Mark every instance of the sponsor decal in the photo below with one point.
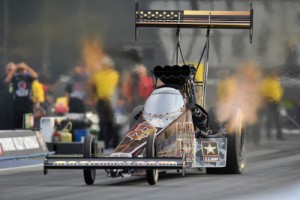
(142, 131)
(210, 151)
(185, 139)
(115, 163)
(73, 163)
(166, 142)
(211, 159)
(60, 163)
(156, 122)
(31, 142)
(7, 144)
(22, 91)
(22, 85)
(19, 143)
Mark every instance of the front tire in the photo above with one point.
(235, 145)
(89, 150)
(151, 152)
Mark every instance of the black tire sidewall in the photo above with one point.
(235, 144)
(236, 147)
(89, 151)
(152, 174)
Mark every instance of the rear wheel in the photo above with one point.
(152, 174)
(235, 145)
(89, 150)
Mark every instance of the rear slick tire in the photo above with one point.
(151, 174)
(235, 146)
(89, 151)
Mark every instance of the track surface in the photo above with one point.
(272, 172)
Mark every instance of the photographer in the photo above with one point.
(22, 79)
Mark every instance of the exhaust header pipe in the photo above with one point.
(175, 71)
(176, 74)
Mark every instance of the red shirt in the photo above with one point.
(145, 87)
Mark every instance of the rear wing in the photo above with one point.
(194, 19)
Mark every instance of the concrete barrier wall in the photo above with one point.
(21, 144)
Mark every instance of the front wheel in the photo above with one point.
(151, 174)
(235, 145)
(89, 150)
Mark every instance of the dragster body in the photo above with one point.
(166, 116)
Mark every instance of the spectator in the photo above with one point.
(76, 90)
(145, 83)
(126, 90)
(120, 107)
(6, 99)
(38, 94)
(134, 86)
(104, 83)
(272, 93)
(22, 91)
(38, 98)
(61, 106)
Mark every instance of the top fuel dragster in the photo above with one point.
(171, 131)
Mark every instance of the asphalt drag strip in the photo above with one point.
(272, 169)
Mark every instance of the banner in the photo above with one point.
(21, 143)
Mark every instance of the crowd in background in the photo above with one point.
(105, 92)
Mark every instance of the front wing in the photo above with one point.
(113, 163)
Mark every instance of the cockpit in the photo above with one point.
(163, 105)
